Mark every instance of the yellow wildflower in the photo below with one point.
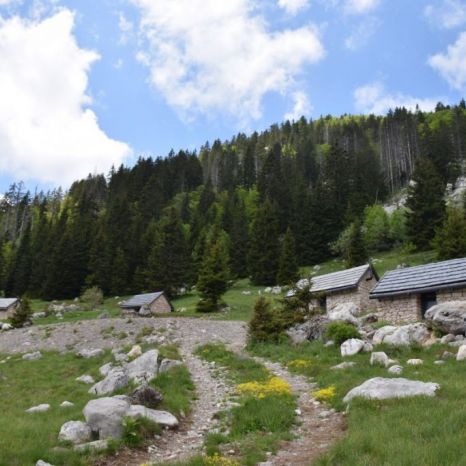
(273, 386)
(325, 394)
(217, 460)
(299, 364)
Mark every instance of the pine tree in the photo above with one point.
(265, 326)
(22, 314)
(288, 270)
(264, 249)
(119, 278)
(450, 240)
(425, 204)
(355, 253)
(214, 273)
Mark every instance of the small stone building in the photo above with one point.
(8, 307)
(404, 295)
(351, 285)
(156, 302)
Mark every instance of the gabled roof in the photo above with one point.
(422, 278)
(337, 281)
(5, 303)
(140, 300)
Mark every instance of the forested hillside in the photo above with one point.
(245, 207)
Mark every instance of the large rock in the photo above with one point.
(114, 380)
(379, 359)
(449, 317)
(144, 368)
(75, 432)
(461, 354)
(312, 329)
(380, 388)
(344, 312)
(161, 418)
(351, 347)
(105, 369)
(405, 335)
(105, 416)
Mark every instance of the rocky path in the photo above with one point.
(317, 428)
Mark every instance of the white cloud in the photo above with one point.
(373, 98)
(47, 130)
(452, 64)
(302, 107)
(447, 14)
(361, 35)
(358, 7)
(293, 6)
(207, 56)
(126, 28)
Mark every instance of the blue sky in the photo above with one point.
(85, 85)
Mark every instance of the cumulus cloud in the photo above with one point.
(207, 56)
(361, 35)
(47, 130)
(293, 6)
(126, 28)
(358, 7)
(301, 107)
(373, 98)
(452, 64)
(447, 14)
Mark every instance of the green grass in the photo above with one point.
(256, 425)
(419, 430)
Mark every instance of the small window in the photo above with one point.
(323, 302)
(427, 301)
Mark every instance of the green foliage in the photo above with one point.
(265, 324)
(340, 332)
(351, 246)
(288, 270)
(377, 231)
(450, 240)
(22, 313)
(136, 431)
(92, 297)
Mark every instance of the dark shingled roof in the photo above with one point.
(422, 278)
(5, 303)
(140, 300)
(337, 281)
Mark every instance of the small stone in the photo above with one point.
(86, 379)
(297, 412)
(98, 445)
(32, 356)
(448, 355)
(135, 352)
(379, 358)
(38, 409)
(343, 365)
(75, 432)
(66, 404)
(415, 362)
(90, 353)
(439, 362)
(395, 370)
(329, 343)
(351, 347)
(43, 463)
(447, 338)
(105, 369)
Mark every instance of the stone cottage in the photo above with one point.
(156, 303)
(351, 285)
(404, 295)
(8, 306)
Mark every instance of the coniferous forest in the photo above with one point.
(256, 206)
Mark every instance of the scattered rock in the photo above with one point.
(395, 369)
(32, 356)
(168, 364)
(351, 347)
(38, 409)
(120, 357)
(86, 379)
(154, 339)
(144, 311)
(39, 315)
(343, 365)
(114, 380)
(439, 362)
(448, 355)
(449, 317)
(381, 333)
(43, 463)
(246, 293)
(162, 418)
(135, 352)
(329, 343)
(379, 358)
(66, 404)
(104, 315)
(344, 312)
(276, 290)
(312, 329)
(461, 355)
(90, 353)
(105, 416)
(144, 368)
(146, 396)
(368, 347)
(5, 326)
(369, 319)
(75, 432)
(414, 362)
(98, 445)
(447, 338)
(380, 388)
(105, 369)
(405, 335)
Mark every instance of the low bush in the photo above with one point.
(266, 323)
(340, 332)
(136, 431)
(22, 314)
(92, 297)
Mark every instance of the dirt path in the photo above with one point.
(317, 429)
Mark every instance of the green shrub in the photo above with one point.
(22, 314)
(92, 297)
(136, 431)
(266, 323)
(340, 332)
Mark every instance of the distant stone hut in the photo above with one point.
(8, 307)
(404, 295)
(351, 285)
(156, 303)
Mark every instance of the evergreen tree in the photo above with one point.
(450, 240)
(264, 325)
(119, 277)
(264, 249)
(214, 273)
(22, 314)
(425, 204)
(288, 270)
(355, 253)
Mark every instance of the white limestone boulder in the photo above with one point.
(144, 368)
(114, 380)
(380, 388)
(379, 358)
(39, 408)
(168, 364)
(351, 347)
(90, 353)
(344, 312)
(461, 354)
(405, 335)
(75, 432)
(162, 418)
(396, 369)
(449, 317)
(36, 355)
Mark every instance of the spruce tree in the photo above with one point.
(22, 314)
(264, 249)
(214, 273)
(119, 277)
(288, 270)
(450, 240)
(355, 253)
(425, 204)
(265, 324)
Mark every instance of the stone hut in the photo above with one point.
(8, 307)
(351, 285)
(404, 295)
(156, 303)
